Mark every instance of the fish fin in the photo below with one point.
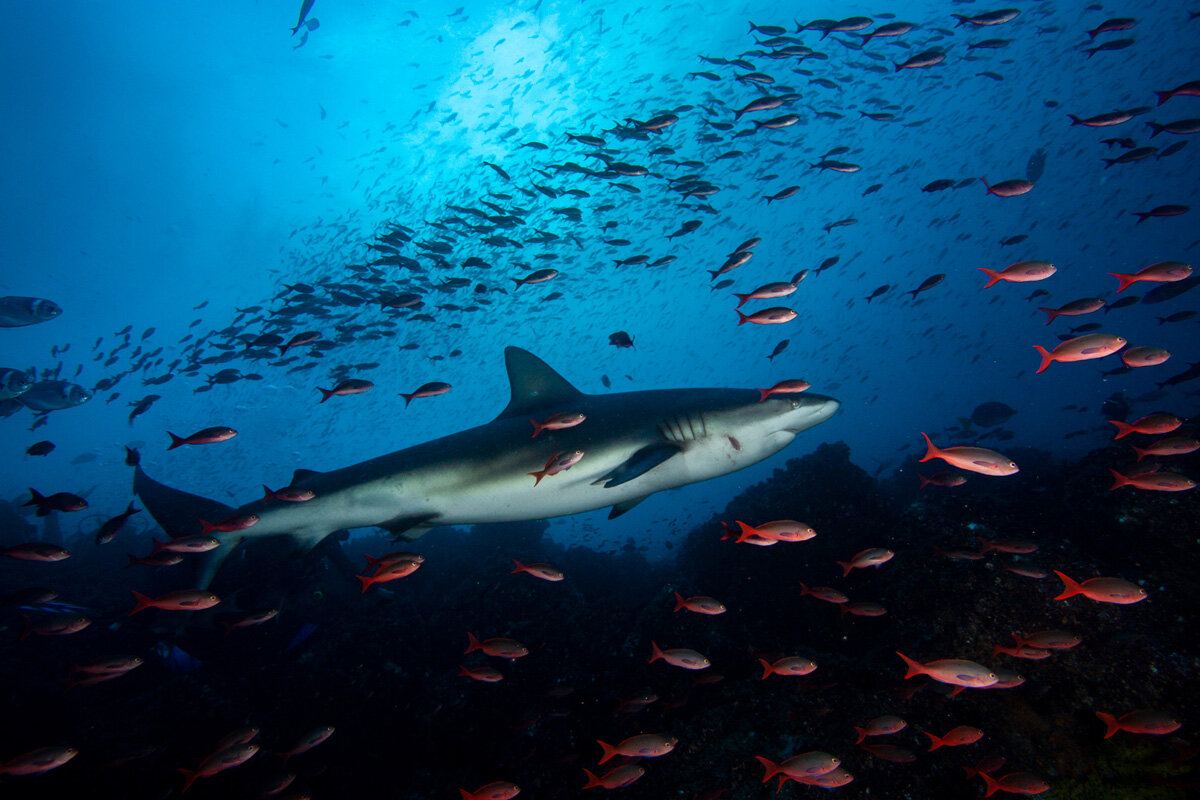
(303, 475)
(638, 464)
(1110, 723)
(622, 507)
(402, 527)
(534, 385)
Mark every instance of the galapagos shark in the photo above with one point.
(634, 444)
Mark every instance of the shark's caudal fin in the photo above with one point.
(535, 385)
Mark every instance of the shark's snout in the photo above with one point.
(809, 410)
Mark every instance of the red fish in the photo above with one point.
(109, 530)
(826, 593)
(236, 522)
(972, 459)
(1175, 446)
(555, 422)
(768, 316)
(1144, 356)
(956, 737)
(1048, 640)
(678, 657)
(767, 291)
(872, 557)
(288, 494)
(559, 462)
(389, 572)
(1011, 188)
(615, 778)
(432, 389)
(805, 765)
(1151, 423)
(1153, 481)
(784, 387)
(646, 745)
(1075, 308)
(299, 340)
(308, 741)
(862, 608)
(346, 387)
(1162, 272)
(1081, 348)
(186, 544)
(945, 479)
(501, 648)
(36, 551)
(1102, 590)
(792, 665)
(498, 790)
(155, 560)
(219, 762)
(206, 436)
(699, 605)
(56, 625)
(59, 501)
(1155, 723)
(482, 674)
(1020, 272)
(1014, 783)
(1015, 546)
(880, 726)
(783, 530)
(955, 672)
(181, 600)
(38, 761)
(540, 276)
(1189, 89)
(545, 572)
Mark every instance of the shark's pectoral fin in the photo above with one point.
(410, 527)
(621, 508)
(638, 464)
(303, 474)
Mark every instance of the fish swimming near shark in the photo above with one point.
(635, 444)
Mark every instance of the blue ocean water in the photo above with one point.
(170, 169)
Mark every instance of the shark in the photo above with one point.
(633, 445)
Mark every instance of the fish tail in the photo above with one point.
(993, 277)
(742, 318)
(366, 582)
(1140, 452)
(746, 531)
(655, 652)
(935, 742)
(537, 428)
(924, 481)
(537, 476)
(142, 603)
(1110, 722)
(931, 451)
(608, 749)
(1051, 313)
(992, 784)
(679, 603)
(742, 297)
(862, 734)
(1123, 429)
(206, 526)
(1156, 128)
(519, 567)
(407, 398)
(1125, 279)
(592, 780)
(1119, 480)
(465, 794)
(770, 766)
(846, 567)
(267, 494)
(914, 667)
(764, 393)
(767, 670)
(1075, 120)
(325, 393)
(472, 644)
(988, 185)
(1047, 357)
(175, 441)
(1164, 97)
(1142, 216)
(1070, 587)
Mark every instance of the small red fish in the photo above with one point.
(308, 741)
(768, 316)
(1175, 446)
(784, 387)
(346, 387)
(181, 600)
(236, 522)
(766, 292)
(35, 551)
(288, 494)
(783, 530)
(555, 422)
(1155, 723)
(299, 340)
(186, 544)
(946, 479)
(559, 462)
(792, 665)
(482, 674)
(206, 436)
(972, 459)
(1011, 188)
(699, 605)
(498, 790)
(1153, 481)
(872, 557)
(432, 389)
(501, 648)
(388, 572)
(956, 737)
(955, 672)
(545, 572)
(880, 726)
(1144, 356)
(646, 745)
(59, 501)
(540, 276)
(1151, 423)
(1162, 272)
(1076, 308)
(1020, 272)
(678, 657)
(1014, 783)
(1102, 590)
(615, 778)
(805, 765)
(38, 761)
(219, 762)
(1081, 348)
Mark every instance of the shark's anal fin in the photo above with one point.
(621, 508)
(303, 474)
(638, 464)
(402, 527)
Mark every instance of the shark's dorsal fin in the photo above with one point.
(535, 385)
(303, 474)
